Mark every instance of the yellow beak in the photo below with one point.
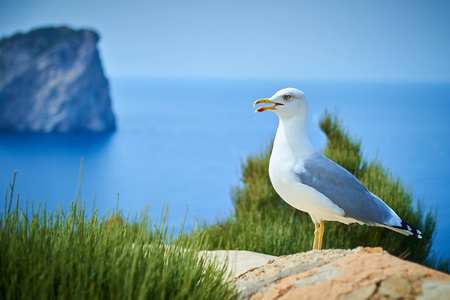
(266, 100)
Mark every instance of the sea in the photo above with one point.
(180, 144)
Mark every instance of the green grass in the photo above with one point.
(65, 254)
(263, 222)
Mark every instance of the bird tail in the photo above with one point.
(405, 229)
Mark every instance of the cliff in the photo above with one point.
(52, 80)
(360, 273)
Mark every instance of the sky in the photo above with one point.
(381, 40)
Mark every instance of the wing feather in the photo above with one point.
(344, 190)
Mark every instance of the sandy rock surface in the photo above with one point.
(239, 262)
(360, 273)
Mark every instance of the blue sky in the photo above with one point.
(337, 40)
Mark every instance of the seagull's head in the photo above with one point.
(287, 103)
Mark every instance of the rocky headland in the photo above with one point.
(360, 273)
(52, 80)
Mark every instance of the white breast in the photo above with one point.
(283, 162)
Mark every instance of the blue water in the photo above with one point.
(182, 142)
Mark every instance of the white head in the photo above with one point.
(287, 103)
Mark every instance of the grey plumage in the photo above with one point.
(344, 190)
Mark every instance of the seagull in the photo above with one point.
(310, 182)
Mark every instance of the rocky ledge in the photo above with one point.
(361, 273)
(52, 80)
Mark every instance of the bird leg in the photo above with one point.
(321, 231)
(316, 236)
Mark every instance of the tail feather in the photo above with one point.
(406, 229)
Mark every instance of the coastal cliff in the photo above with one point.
(352, 274)
(52, 80)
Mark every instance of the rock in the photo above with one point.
(361, 273)
(290, 263)
(362, 293)
(435, 289)
(395, 287)
(238, 261)
(52, 80)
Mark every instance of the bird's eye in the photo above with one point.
(287, 97)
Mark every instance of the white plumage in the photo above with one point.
(312, 183)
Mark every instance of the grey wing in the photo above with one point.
(344, 190)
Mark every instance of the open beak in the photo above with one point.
(266, 100)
